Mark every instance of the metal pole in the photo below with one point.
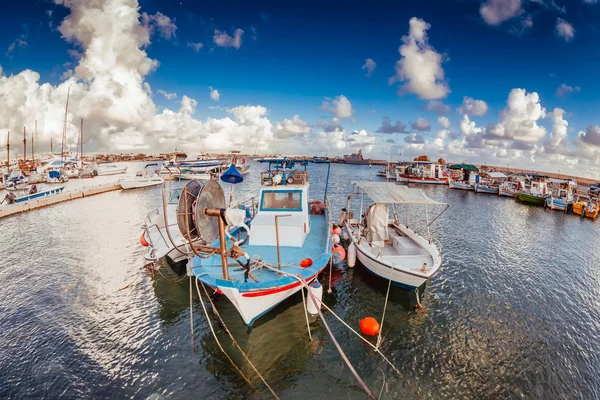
(427, 218)
(216, 212)
(8, 153)
(33, 135)
(277, 237)
(362, 198)
(81, 141)
(24, 144)
(327, 181)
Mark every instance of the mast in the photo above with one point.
(33, 135)
(50, 145)
(81, 141)
(64, 134)
(8, 153)
(24, 144)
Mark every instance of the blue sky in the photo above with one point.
(292, 58)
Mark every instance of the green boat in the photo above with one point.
(531, 199)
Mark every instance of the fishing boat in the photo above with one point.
(508, 188)
(192, 170)
(562, 195)
(490, 182)
(110, 169)
(587, 205)
(386, 247)
(288, 237)
(56, 176)
(534, 192)
(146, 177)
(424, 172)
(464, 176)
(31, 194)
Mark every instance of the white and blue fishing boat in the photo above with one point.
(32, 194)
(562, 197)
(490, 182)
(286, 242)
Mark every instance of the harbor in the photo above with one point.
(112, 325)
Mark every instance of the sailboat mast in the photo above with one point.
(24, 144)
(64, 135)
(33, 135)
(81, 141)
(8, 153)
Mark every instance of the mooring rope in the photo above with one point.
(387, 295)
(306, 315)
(217, 339)
(232, 338)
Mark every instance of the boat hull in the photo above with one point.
(530, 199)
(486, 189)
(39, 194)
(556, 204)
(140, 183)
(115, 171)
(461, 185)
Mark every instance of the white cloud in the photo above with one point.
(564, 30)
(518, 121)
(421, 125)
(165, 26)
(340, 107)
(473, 107)
(292, 128)
(559, 132)
(444, 122)
(438, 107)
(564, 90)
(494, 12)
(414, 138)
(420, 66)
(168, 96)
(214, 94)
(591, 136)
(195, 46)
(370, 66)
(18, 43)
(387, 127)
(222, 39)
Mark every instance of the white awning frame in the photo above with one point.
(391, 193)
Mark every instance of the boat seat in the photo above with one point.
(292, 229)
(404, 246)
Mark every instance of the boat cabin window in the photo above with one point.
(174, 199)
(277, 200)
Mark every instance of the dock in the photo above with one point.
(17, 208)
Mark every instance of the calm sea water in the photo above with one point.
(514, 312)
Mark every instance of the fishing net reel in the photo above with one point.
(192, 220)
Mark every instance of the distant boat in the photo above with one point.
(534, 192)
(320, 160)
(490, 182)
(31, 195)
(144, 178)
(562, 196)
(587, 206)
(110, 169)
(467, 177)
(356, 158)
(424, 172)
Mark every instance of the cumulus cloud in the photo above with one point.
(330, 126)
(168, 96)
(494, 12)
(420, 66)
(160, 22)
(222, 39)
(370, 66)
(437, 107)
(108, 90)
(421, 125)
(292, 128)
(340, 107)
(387, 127)
(591, 135)
(195, 46)
(473, 107)
(214, 94)
(564, 90)
(444, 122)
(414, 138)
(564, 30)
(558, 136)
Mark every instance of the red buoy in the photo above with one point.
(143, 241)
(339, 253)
(369, 326)
(337, 231)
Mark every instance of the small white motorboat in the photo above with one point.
(30, 194)
(147, 177)
(110, 169)
(386, 247)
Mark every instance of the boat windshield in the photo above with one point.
(277, 200)
(174, 199)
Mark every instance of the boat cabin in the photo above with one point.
(283, 207)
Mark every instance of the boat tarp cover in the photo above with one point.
(466, 167)
(495, 174)
(377, 222)
(391, 193)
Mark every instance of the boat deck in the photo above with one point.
(316, 246)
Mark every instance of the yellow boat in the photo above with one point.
(586, 206)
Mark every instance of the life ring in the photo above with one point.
(290, 180)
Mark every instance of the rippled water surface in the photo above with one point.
(514, 312)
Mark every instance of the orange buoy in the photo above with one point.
(369, 326)
(304, 263)
(337, 231)
(338, 253)
(143, 241)
(308, 262)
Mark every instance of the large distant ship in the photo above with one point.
(356, 158)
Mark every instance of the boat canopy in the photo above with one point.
(466, 167)
(391, 193)
(497, 174)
